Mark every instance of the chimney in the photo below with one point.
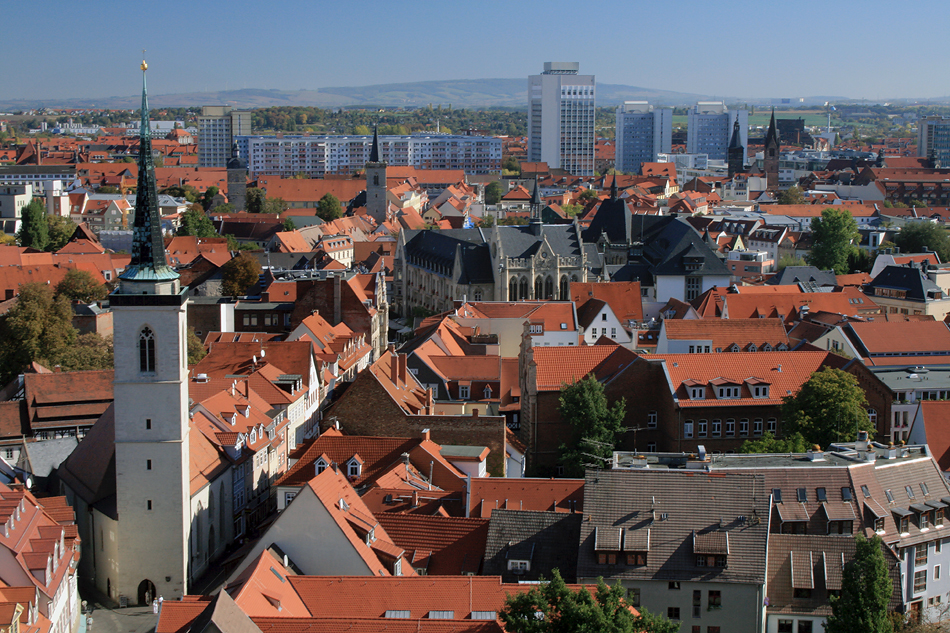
(415, 498)
(402, 366)
(862, 444)
(394, 368)
(425, 435)
(337, 300)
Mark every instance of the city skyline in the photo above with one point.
(738, 49)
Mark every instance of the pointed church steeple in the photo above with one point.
(772, 134)
(736, 135)
(736, 152)
(613, 188)
(148, 248)
(771, 156)
(374, 152)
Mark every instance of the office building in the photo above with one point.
(318, 156)
(642, 133)
(561, 118)
(933, 140)
(217, 128)
(709, 129)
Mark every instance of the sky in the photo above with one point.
(870, 49)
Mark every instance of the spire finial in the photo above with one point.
(613, 188)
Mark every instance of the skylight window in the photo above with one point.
(802, 495)
(867, 493)
(820, 493)
(777, 495)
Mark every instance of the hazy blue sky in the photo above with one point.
(874, 49)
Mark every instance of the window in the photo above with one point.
(777, 495)
(728, 392)
(148, 504)
(715, 600)
(701, 428)
(865, 492)
(920, 555)
(716, 428)
(890, 497)
(697, 602)
(924, 489)
(673, 613)
(730, 427)
(802, 495)
(821, 495)
(700, 560)
(697, 393)
(637, 558)
(936, 572)
(802, 593)
(904, 523)
(148, 424)
(786, 626)
(744, 426)
(760, 391)
(288, 497)
(464, 392)
(771, 426)
(519, 566)
(486, 392)
(938, 547)
(651, 447)
(607, 558)
(146, 351)
(651, 419)
(674, 584)
(923, 520)
(353, 468)
(148, 464)
(688, 428)
(757, 426)
(909, 491)
(603, 316)
(712, 629)
(920, 581)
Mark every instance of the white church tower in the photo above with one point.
(151, 405)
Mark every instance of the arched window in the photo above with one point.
(523, 293)
(147, 351)
(513, 289)
(538, 288)
(376, 179)
(565, 289)
(872, 417)
(549, 288)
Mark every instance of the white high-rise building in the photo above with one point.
(709, 129)
(561, 118)
(642, 133)
(217, 128)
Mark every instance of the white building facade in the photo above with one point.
(561, 106)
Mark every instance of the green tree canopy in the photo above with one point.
(187, 192)
(792, 195)
(37, 328)
(196, 349)
(597, 427)
(254, 200)
(511, 163)
(588, 195)
(493, 192)
(866, 591)
(833, 235)
(915, 237)
(768, 443)
(328, 208)
(830, 407)
(274, 206)
(80, 285)
(34, 227)
(288, 225)
(239, 274)
(208, 197)
(553, 607)
(196, 222)
(89, 351)
(790, 260)
(60, 231)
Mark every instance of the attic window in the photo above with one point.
(865, 492)
(354, 468)
(487, 392)
(909, 491)
(924, 489)
(802, 495)
(697, 393)
(484, 615)
(821, 495)
(760, 391)
(564, 325)
(777, 495)
(395, 614)
(519, 567)
(320, 465)
(441, 615)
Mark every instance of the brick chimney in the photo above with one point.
(394, 368)
(402, 366)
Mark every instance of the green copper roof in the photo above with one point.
(148, 248)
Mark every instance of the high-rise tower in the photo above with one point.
(151, 404)
(642, 132)
(561, 118)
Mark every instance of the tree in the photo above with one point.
(239, 274)
(274, 206)
(208, 197)
(288, 225)
(223, 209)
(36, 328)
(790, 260)
(80, 285)
(254, 200)
(60, 231)
(866, 591)
(833, 234)
(768, 443)
(108, 189)
(792, 195)
(362, 130)
(234, 245)
(552, 607)
(328, 208)
(89, 351)
(493, 192)
(34, 228)
(918, 203)
(915, 237)
(196, 222)
(196, 349)
(570, 210)
(830, 407)
(588, 195)
(511, 164)
(597, 427)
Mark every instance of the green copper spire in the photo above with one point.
(148, 248)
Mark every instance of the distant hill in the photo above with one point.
(511, 93)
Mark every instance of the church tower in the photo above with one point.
(772, 148)
(377, 204)
(736, 152)
(151, 405)
(237, 180)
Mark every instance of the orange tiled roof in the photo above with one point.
(624, 298)
(725, 332)
(564, 365)
(454, 545)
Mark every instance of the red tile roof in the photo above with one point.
(624, 298)
(725, 332)
(558, 366)
(543, 495)
(936, 416)
(262, 590)
(454, 546)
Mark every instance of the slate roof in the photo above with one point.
(791, 275)
(436, 250)
(546, 539)
(909, 278)
(669, 241)
(805, 562)
(520, 241)
(692, 502)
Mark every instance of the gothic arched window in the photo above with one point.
(538, 288)
(513, 289)
(146, 350)
(523, 289)
(565, 289)
(376, 179)
(548, 289)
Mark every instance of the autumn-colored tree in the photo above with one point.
(239, 274)
(80, 285)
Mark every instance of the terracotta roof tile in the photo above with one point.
(564, 365)
(455, 545)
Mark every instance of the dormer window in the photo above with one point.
(697, 393)
(320, 465)
(486, 393)
(354, 468)
(760, 391)
(728, 392)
